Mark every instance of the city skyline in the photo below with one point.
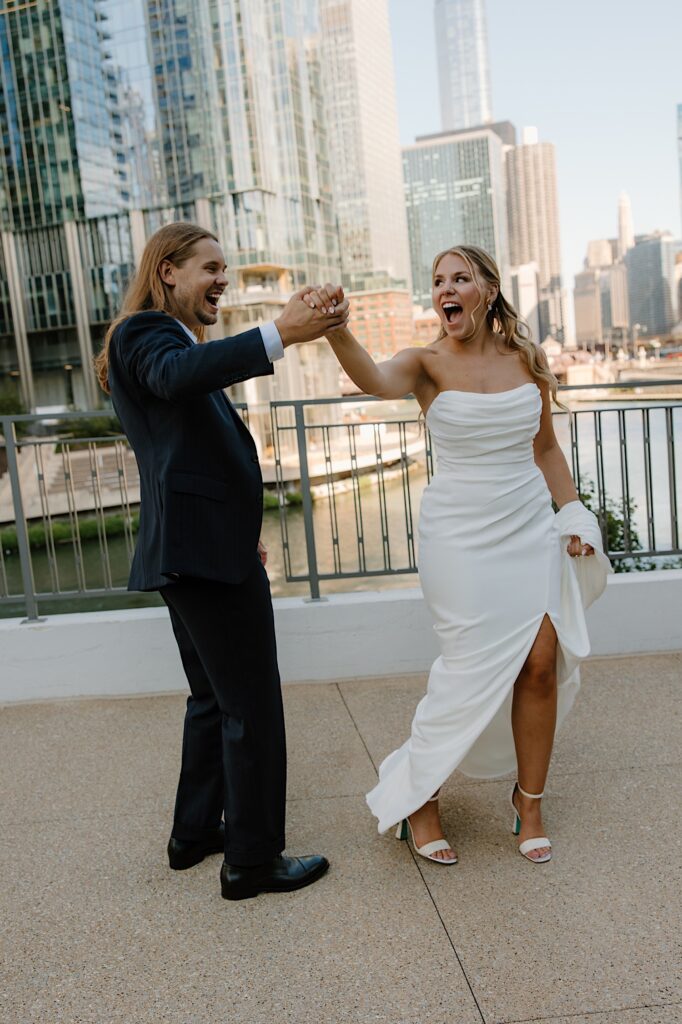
(581, 98)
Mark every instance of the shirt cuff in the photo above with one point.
(274, 349)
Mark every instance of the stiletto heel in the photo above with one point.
(528, 845)
(404, 831)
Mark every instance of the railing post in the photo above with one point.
(313, 577)
(22, 531)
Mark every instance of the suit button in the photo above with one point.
(254, 458)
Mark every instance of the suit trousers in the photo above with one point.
(233, 748)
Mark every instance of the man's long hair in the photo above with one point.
(147, 291)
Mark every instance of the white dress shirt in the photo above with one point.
(274, 349)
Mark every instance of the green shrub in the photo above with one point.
(96, 426)
(615, 531)
(10, 403)
(271, 500)
(62, 532)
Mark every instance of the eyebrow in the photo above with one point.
(214, 263)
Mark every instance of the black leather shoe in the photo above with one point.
(183, 854)
(281, 874)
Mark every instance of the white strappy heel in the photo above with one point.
(529, 844)
(428, 849)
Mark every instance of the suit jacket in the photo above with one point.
(201, 490)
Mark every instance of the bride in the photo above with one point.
(505, 578)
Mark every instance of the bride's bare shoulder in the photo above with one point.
(410, 357)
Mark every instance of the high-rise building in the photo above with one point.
(615, 307)
(534, 223)
(679, 147)
(651, 284)
(57, 159)
(587, 305)
(64, 258)
(600, 253)
(125, 114)
(364, 147)
(463, 69)
(600, 298)
(626, 234)
(525, 296)
(455, 195)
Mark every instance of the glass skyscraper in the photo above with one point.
(455, 195)
(463, 69)
(57, 159)
(364, 146)
(679, 147)
(119, 115)
(65, 258)
(651, 284)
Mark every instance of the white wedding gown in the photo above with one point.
(492, 564)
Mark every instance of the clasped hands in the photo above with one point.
(329, 299)
(311, 312)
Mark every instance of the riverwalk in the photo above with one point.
(98, 930)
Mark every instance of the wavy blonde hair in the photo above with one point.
(147, 291)
(502, 318)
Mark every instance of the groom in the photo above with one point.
(198, 545)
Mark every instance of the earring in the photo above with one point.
(490, 307)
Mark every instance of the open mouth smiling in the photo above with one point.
(451, 310)
(213, 298)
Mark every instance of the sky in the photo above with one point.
(601, 79)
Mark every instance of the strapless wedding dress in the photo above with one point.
(492, 564)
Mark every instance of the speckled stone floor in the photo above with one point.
(96, 929)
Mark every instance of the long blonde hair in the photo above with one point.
(502, 318)
(147, 291)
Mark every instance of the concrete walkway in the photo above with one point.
(96, 929)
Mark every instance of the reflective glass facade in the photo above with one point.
(120, 115)
(56, 159)
(455, 194)
(463, 70)
(364, 144)
(651, 285)
(679, 147)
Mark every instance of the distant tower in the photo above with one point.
(455, 195)
(533, 208)
(364, 148)
(626, 234)
(463, 70)
(679, 146)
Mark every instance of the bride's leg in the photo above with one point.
(426, 827)
(533, 723)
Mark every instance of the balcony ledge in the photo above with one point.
(345, 636)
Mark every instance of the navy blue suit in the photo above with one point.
(201, 506)
(201, 491)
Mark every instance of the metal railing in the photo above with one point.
(348, 474)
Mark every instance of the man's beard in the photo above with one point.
(207, 319)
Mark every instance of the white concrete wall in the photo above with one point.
(345, 636)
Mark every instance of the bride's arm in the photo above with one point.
(394, 378)
(551, 461)
(549, 457)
